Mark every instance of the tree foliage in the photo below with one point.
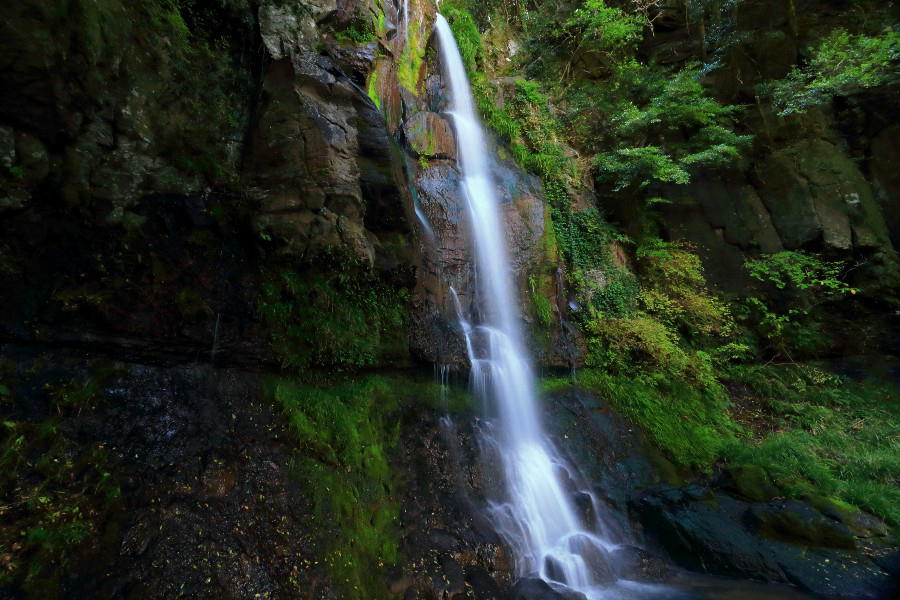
(605, 28)
(663, 128)
(840, 64)
(795, 285)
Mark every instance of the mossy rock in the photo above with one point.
(796, 522)
(750, 481)
(860, 524)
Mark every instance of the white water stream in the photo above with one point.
(537, 517)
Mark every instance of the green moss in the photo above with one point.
(690, 424)
(835, 437)
(341, 319)
(410, 64)
(379, 19)
(751, 482)
(373, 89)
(345, 434)
(551, 246)
(541, 305)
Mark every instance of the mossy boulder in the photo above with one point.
(429, 135)
(860, 524)
(796, 522)
(750, 481)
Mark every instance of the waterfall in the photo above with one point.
(537, 516)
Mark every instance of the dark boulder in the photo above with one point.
(707, 535)
(750, 482)
(796, 522)
(636, 564)
(595, 557)
(781, 541)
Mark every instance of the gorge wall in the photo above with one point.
(228, 234)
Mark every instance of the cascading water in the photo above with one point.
(537, 518)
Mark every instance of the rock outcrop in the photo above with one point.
(815, 181)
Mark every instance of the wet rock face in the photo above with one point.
(816, 181)
(448, 261)
(780, 541)
(115, 111)
(158, 418)
(450, 547)
(143, 175)
(24, 164)
(304, 161)
(445, 234)
(538, 589)
(815, 191)
(809, 194)
(430, 136)
(320, 155)
(286, 28)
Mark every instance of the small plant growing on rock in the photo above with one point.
(797, 283)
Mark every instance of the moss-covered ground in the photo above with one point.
(345, 433)
(832, 436)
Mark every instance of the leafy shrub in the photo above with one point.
(797, 284)
(675, 289)
(649, 327)
(640, 343)
(618, 298)
(634, 341)
(604, 28)
(800, 271)
(676, 130)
